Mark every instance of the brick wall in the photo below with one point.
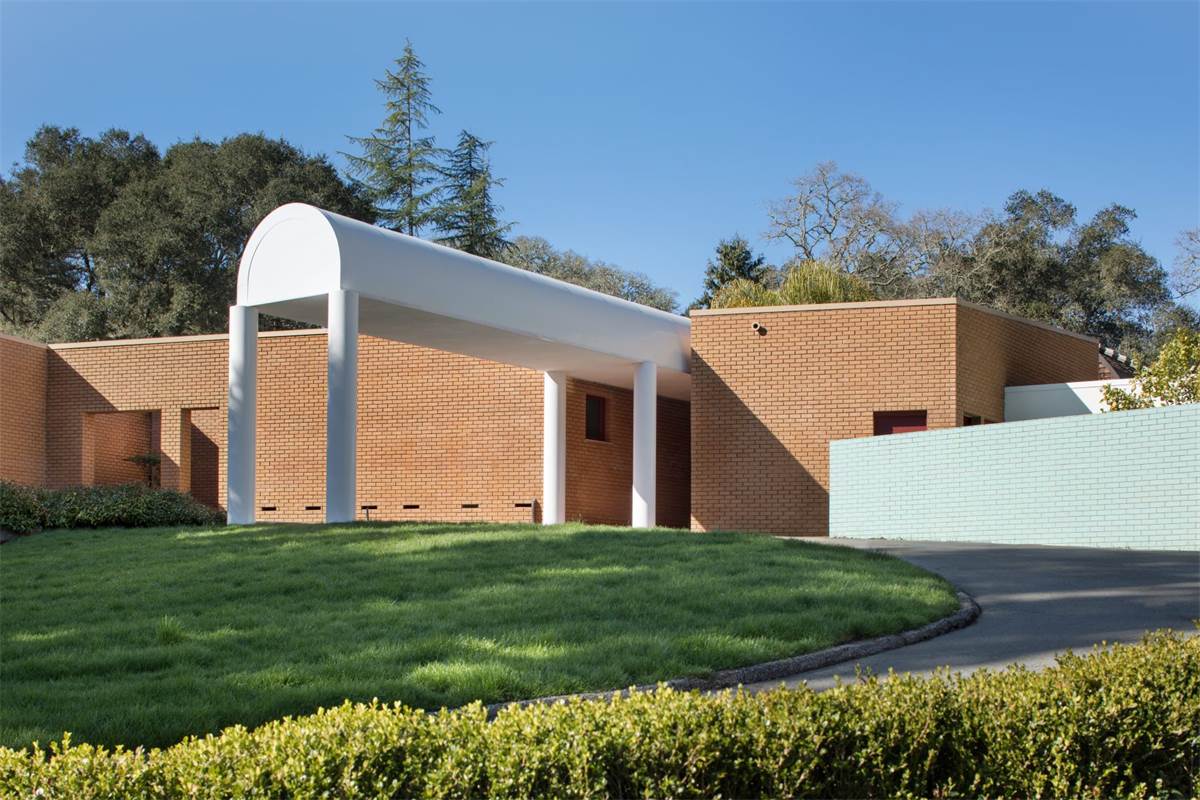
(600, 473)
(22, 411)
(1125, 479)
(114, 438)
(208, 440)
(995, 350)
(766, 404)
(451, 437)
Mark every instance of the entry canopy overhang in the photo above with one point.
(426, 294)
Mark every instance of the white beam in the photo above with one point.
(243, 380)
(645, 423)
(554, 448)
(342, 408)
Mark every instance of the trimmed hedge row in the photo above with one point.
(24, 510)
(1120, 722)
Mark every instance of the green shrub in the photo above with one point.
(20, 509)
(1121, 722)
(131, 506)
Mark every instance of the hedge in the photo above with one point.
(1121, 722)
(24, 510)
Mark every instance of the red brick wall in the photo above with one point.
(995, 350)
(600, 474)
(22, 411)
(765, 407)
(208, 440)
(114, 438)
(435, 430)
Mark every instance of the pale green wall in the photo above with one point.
(1125, 479)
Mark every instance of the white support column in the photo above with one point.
(243, 390)
(342, 408)
(645, 426)
(554, 448)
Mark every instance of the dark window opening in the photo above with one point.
(597, 418)
(899, 422)
(972, 419)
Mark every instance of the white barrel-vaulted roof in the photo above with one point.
(423, 293)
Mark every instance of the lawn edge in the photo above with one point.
(968, 611)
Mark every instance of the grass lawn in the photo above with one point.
(144, 636)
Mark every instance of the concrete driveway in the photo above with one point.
(1036, 601)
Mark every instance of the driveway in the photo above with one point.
(1036, 601)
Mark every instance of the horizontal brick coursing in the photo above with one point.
(459, 438)
(998, 351)
(22, 411)
(767, 403)
(115, 438)
(1125, 479)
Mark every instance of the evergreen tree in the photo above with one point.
(735, 260)
(469, 219)
(398, 166)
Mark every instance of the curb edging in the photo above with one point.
(968, 612)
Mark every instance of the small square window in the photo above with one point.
(597, 418)
(972, 419)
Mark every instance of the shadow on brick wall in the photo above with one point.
(743, 477)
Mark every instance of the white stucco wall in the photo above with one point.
(1056, 399)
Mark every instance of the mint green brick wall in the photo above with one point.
(1126, 479)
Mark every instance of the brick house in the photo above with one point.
(722, 421)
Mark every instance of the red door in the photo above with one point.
(899, 422)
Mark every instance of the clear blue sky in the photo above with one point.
(641, 134)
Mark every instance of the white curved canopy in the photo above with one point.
(423, 293)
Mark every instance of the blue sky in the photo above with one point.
(641, 134)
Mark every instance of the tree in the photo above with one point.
(470, 218)
(50, 208)
(734, 261)
(1185, 278)
(103, 237)
(1036, 261)
(537, 255)
(804, 283)
(836, 217)
(1172, 379)
(171, 244)
(398, 165)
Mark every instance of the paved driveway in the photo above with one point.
(1036, 601)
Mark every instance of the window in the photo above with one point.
(597, 418)
(898, 422)
(972, 419)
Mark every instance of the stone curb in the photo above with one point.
(968, 612)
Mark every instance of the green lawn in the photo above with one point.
(143, 636)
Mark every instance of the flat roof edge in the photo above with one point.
(868, 304)
(196, 337)
(8, 337)
(924, 301)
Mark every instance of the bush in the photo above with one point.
(20, 509)
(131, 506)
(1124, 721)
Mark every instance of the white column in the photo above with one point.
(645, 424)
(554, 448)
(342, 407)
(243, 380)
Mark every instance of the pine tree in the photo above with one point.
(398, 166)
(469, 219)
(735, 260)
